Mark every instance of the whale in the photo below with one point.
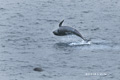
(67, 30)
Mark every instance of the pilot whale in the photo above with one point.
(66, 30)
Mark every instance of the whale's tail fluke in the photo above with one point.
(61, 23)
(78, 34)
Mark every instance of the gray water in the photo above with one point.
(27, 41)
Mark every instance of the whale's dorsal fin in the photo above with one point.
(61, 23)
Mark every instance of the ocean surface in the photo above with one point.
(27, 41)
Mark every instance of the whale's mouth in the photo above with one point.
(55, 32)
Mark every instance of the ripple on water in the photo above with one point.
(91, 45)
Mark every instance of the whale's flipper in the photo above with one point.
(61, 23)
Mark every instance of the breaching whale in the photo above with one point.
(66, 30)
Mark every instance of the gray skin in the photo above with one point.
(66, 30)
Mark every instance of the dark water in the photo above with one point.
(26, 39)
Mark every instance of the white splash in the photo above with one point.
(80, 43)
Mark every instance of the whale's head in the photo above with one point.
(55, 32)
